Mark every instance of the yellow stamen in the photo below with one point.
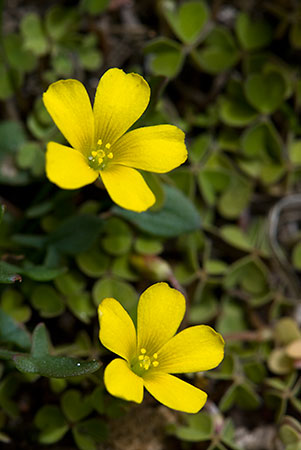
(145, 362)
(94, 153)
(108, 146)
(110, 155)
(99, 142)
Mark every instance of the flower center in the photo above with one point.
(100, 157)
(144, 362)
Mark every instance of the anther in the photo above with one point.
(140, 357)
(155, 363)
(143, 351)
(100, 160)
(108, 146)
(110, 155)
(94, 153)
(155, 355)
(99, 142)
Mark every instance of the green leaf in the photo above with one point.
(62, 63)
(289, 435)
(228, 434)
(42, 273)
(213, 179)
(86, 434)
(191, 434)
(42, 363)
(189, 20)
(12, 304)
(232, 317)
(55, 366)
(75, 406)
(219, 53)
(246, 397)
(76, 234)
(255, 371)
(33, 34)
(177, 216)
(286, 331)
(40, 341)
(253, 34)
(123, 268)
(146, 245)
(265, 92)
(94, 6)
(13, 333)
(279, 363)
(296, 256)
(263, 143)
(111, 287)
(97, 399)
(52, 424)
(90, 56)
(155, 185)
(236, 112)
(47, 301)
(199, 148)
(60, 22)
(295, 34)
(204, 307)
(93, 262)
(70, 283)
(184, 179)
(263, 147)
(215, 266)
(18, 57)
(8, 389)
(235, 198)
(166, 57)
(295, 152)
(249, 273)
(228, 399)
(117, 237)
(81, 306)
(7, 87)
(234, 236)
(12, 136)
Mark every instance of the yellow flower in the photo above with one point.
(101, 146)
(156, 352)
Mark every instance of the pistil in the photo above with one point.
(144, 362)
(100, 157)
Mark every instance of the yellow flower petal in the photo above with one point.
(67, 167)
(160, 148)
(69, 105)
(121, 382)
(117, 331)
(160, 311)
(175, 393)
(127, 188)
(192, 350)
(120, 100)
